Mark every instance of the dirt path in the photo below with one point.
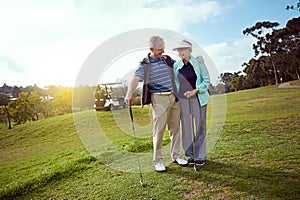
(287, 85)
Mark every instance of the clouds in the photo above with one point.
(228, 57)
(6, 63)
(117, 16)
(33, 21)
(46, 42)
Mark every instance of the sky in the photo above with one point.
(49, 42)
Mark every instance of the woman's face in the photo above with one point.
(184, 53)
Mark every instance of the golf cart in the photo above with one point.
(108, 98)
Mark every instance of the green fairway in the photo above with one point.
(257, 155)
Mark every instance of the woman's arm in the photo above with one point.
(205, 80)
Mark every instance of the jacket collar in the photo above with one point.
(181, 63)
(148, 59)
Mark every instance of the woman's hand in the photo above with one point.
(191, 93)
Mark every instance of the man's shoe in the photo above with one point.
(159, 167)
(200, 162)
(181, 162)
(191, 161)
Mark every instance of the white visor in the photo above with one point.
(182, 44)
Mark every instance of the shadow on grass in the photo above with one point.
(52, 174)
(260, 182)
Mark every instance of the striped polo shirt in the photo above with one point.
(159, 75)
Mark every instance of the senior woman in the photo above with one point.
(192, 82)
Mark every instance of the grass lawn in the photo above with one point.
(257, 155)
(296, 83)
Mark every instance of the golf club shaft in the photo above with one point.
(138, 158)
(193, 132)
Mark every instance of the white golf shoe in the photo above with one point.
(159, 167)
(181, 162)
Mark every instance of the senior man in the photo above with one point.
(156, 70)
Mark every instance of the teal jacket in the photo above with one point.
(203, 80)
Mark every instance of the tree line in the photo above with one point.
(276, 57)
(18, 104)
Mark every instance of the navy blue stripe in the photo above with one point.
(159, 76)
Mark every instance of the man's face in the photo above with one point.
(158, 51)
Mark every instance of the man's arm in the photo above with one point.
(132, 86)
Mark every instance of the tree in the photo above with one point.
(288, 41)
(36, 89)
(237, 82)
(35, 105)
(226, 78)
(25, 107)
(16, 91)
(258, 72)
(265, 64)
(19, 108)
(4, 100)
(84, 97)
(292, 7)
(265, 44)
(220, 88)
(63, 102)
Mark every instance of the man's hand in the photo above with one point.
(128, 100)
(132, 86)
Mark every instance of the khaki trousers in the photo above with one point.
(165, 111)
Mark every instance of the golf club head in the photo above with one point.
(141, 183)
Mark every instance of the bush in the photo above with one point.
(137, 101)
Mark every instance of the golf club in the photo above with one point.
(131, 116)
(193, 133)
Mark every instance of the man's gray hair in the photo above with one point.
(154, 40)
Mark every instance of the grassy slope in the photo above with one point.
(257, 156)
(295, 83)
